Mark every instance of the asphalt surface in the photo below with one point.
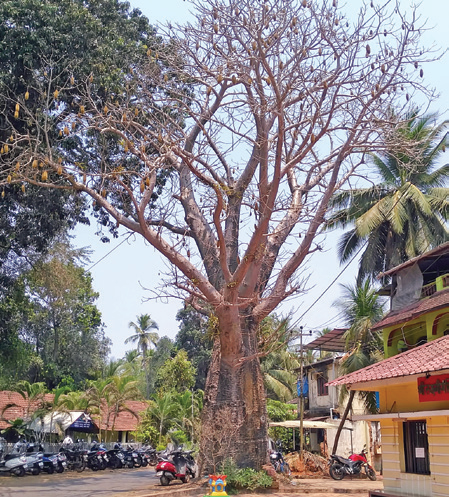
(106, 483)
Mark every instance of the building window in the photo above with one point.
(416, 448)
(321, 383)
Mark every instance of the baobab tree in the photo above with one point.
(223, 150)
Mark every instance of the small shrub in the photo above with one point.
(243, 478)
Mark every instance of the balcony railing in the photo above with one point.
(440, 283)
(428, 290)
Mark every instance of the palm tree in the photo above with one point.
(361, 308)
(404, 214)
(143, 336)
(279, 377)
(163, 409)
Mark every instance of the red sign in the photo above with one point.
(433, 388)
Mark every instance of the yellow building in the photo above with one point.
(413, 381)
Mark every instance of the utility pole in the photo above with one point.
(301, 394)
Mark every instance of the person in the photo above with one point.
(67, 440)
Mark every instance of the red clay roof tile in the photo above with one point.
(427, 358)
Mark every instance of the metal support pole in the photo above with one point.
(301, 399)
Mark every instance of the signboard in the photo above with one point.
(433, 388)
(83, 423)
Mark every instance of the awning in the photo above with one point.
(59, 422)
(307, 424)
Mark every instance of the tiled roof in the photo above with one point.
(332, 341)
(437, 301)
(124, 421)
(430, 357)
(19, 410)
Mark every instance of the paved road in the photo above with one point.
(87, 484)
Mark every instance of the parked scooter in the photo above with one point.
(16, 464)
(132, 459)
(339, 467)
(173, 466)
(33, 456)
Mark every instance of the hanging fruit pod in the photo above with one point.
(3, 193)
(35, 164)
(23, 188)
(147, 181)
(66, 131)
(44, 176)
(59, 170)
(142, 187)
(56, 94)
(9, 179)
(27, 95)
(18, 166)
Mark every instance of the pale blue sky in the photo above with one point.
(122, 275)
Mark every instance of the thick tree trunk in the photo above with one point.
(234, 419)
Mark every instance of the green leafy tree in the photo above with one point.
(403, 214)
(361, 307)
(177, 373)
(195, 340)
(65, 326)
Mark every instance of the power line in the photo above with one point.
(110, 252)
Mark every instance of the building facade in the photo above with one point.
(413, 380)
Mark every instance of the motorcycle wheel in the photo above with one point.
(81, 466)
(286, 469)
(20, 471)
(336, 471)
(371, 474)
(36, 471)
(153, 461)
(130, 464)
(144, 463)
(60, 469)
(165, 481)
(186, 479)
(50, 470)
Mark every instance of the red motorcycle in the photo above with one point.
(173, 466)
(339, 467)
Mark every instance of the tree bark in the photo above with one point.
(234, 418)
(342, 421)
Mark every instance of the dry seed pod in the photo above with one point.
(105, 109)
(208, 90)
(17, 166)
(60, 170)
(27, 95)
(312, 139)
(215, 28)
(16, 114)
(17, 107)
(23, 189)
(421, 73)
(304, 3)
(44, 175)
(66, 131)
(2, 150)
(142, 187)
(368, 50)
(82, 109)
(219, 78)
(215, 14)
(72, 80)
(60, 133)
(35, 164)
(73, 125)
(382, 68)
(56, 94)
(9, 179)
(268, 80)
(234, 79)
(147, 181)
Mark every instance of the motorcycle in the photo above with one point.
(172, 466)
(132, 458)
(339, 467)
(278, 462)
(97, 458)
(76, 457)
(16, 464)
